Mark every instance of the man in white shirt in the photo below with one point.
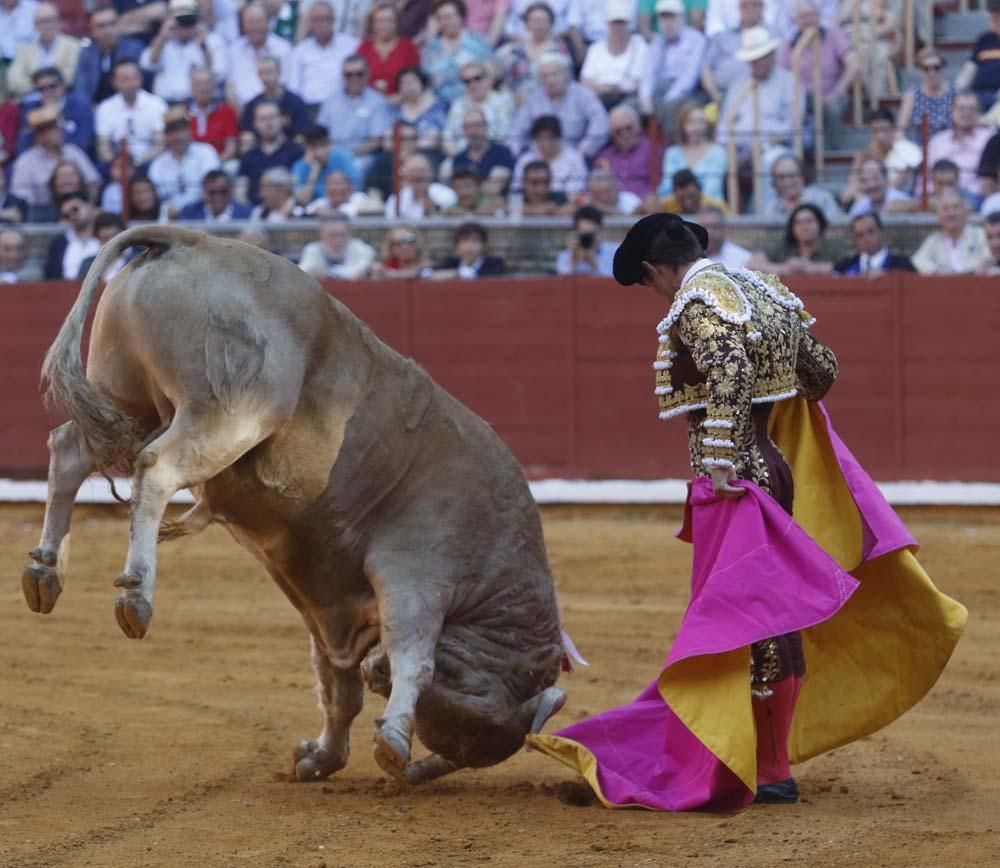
(314, 69)
(177, 173)
(17, 26)
(257, 41)
(182, 44)
(337, 254)
(49, 48)
(721, 249)
(132, 114)
(614, 65)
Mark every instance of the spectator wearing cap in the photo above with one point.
(772, 90)
(17, 26)
(15, 266)
(419, 195)
(276, 200)
(74, 110)
(497, 107)
(356, 115)
(385, 50)
(133, 114)
(294, 111)
(216, 204)
(839, 66)
(454, 46)
(50, 47)
(256, 42)
(178, 171)
(99, 55)
(687, 197)
(614, 64)
(33, 169)
(320, 160)
(470, 200)
(272, 150)
(673, 64)
(566, 163)
(337, 255)
(182, 44)
(722, 68)
(873, 257)
(720, 248)
(314, 69)
(964, 144)
(491, 161)
(630, 154)
(68, 251)
(586, 252)
(582, 118)
(471, 259)
(981, 72)
(213, 121)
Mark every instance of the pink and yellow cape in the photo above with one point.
(876, 632)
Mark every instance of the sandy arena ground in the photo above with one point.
(175, 751)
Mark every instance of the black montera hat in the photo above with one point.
(662, 227)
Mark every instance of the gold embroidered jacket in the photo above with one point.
(734, 338)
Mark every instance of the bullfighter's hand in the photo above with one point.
(722, 479)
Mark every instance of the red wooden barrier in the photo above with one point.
(562, 369)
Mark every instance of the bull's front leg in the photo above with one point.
(341, 694)
(69, 465)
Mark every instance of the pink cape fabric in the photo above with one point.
(755, 574)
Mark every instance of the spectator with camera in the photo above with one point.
(216, 204)
(585, 252)
(68, 251)
(183, 43)
(99, 56)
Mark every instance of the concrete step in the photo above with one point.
(961, 25)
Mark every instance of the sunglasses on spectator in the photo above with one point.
(50, 85)
(473, 78)
(69, 213)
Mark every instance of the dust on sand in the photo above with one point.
(175, 751)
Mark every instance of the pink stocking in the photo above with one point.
(773, 717)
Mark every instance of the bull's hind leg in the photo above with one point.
(195, 448)
(69, 465)
(341, 693)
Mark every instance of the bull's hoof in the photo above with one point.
(392, 749)
(314, 763)
(134, 613)
(429, 769)
(42, 585)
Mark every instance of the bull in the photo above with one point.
(391, 516)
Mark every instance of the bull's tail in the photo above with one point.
(111, 436)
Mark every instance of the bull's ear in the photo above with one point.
(416, 396)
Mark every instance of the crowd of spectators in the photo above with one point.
(270, 111)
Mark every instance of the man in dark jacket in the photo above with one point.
(97, 59)
(216, 205)
(873, 256)
(470, 259)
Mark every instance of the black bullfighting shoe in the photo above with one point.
(781, 793)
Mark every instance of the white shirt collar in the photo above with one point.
(697, 268)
